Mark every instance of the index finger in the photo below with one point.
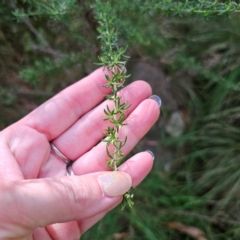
(57, 114)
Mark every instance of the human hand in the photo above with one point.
(38, 200)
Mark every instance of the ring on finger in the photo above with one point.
(56, 152)
(69, 169)
(69, 163)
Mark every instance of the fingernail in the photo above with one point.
(115, 183)
(153, 157)
(157, 99)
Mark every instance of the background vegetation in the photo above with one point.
(46, 46)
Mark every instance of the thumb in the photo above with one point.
(29, 204)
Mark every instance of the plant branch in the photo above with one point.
(113, 58)
(46, 48)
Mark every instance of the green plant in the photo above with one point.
(113, 58)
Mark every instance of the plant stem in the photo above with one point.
(115, 127)
(113, 59)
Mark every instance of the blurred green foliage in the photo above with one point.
(51, 46)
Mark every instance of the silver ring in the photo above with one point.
(69, 170)
(64, 159)
(59, 154)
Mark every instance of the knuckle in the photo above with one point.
(80, 193)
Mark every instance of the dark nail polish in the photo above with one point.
(157, 99)
(150, 153)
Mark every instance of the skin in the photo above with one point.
(38, 200)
